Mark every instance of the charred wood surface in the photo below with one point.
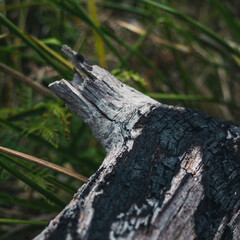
(169, 172)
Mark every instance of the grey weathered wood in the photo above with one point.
(169, 172)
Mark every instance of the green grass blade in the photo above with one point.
(76, 9)
(35, 204)
(227, 17)
(10, 50)
(196, 24)
(63, 186)
(192, 98)
(18, 130)
(136, 46)
(19, 221)
(25, 4)
(146, 61)
(126, 8)
(178, 97)
(187, 83)
(51, 179)
(32, 44)
(209, 47)
(29, 182)
(52, 53)
(27, 113)
(68, 154)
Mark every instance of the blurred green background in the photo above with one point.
(183, 53)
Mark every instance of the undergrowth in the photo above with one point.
(178, 53)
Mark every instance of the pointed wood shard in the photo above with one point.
(169, 172)
(106, 104)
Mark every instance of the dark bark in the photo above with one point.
(169, 172)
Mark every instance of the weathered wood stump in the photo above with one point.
(169, 172)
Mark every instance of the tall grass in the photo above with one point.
(177, 53)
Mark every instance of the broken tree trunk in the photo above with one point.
(169, 172)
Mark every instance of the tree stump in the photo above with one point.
(169, 172)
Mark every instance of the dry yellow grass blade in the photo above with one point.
(52, 52)
(43, 163)
(99, 45)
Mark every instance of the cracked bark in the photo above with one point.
(169, 172)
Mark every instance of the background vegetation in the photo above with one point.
(184, 53)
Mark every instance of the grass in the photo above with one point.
(180, 54)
